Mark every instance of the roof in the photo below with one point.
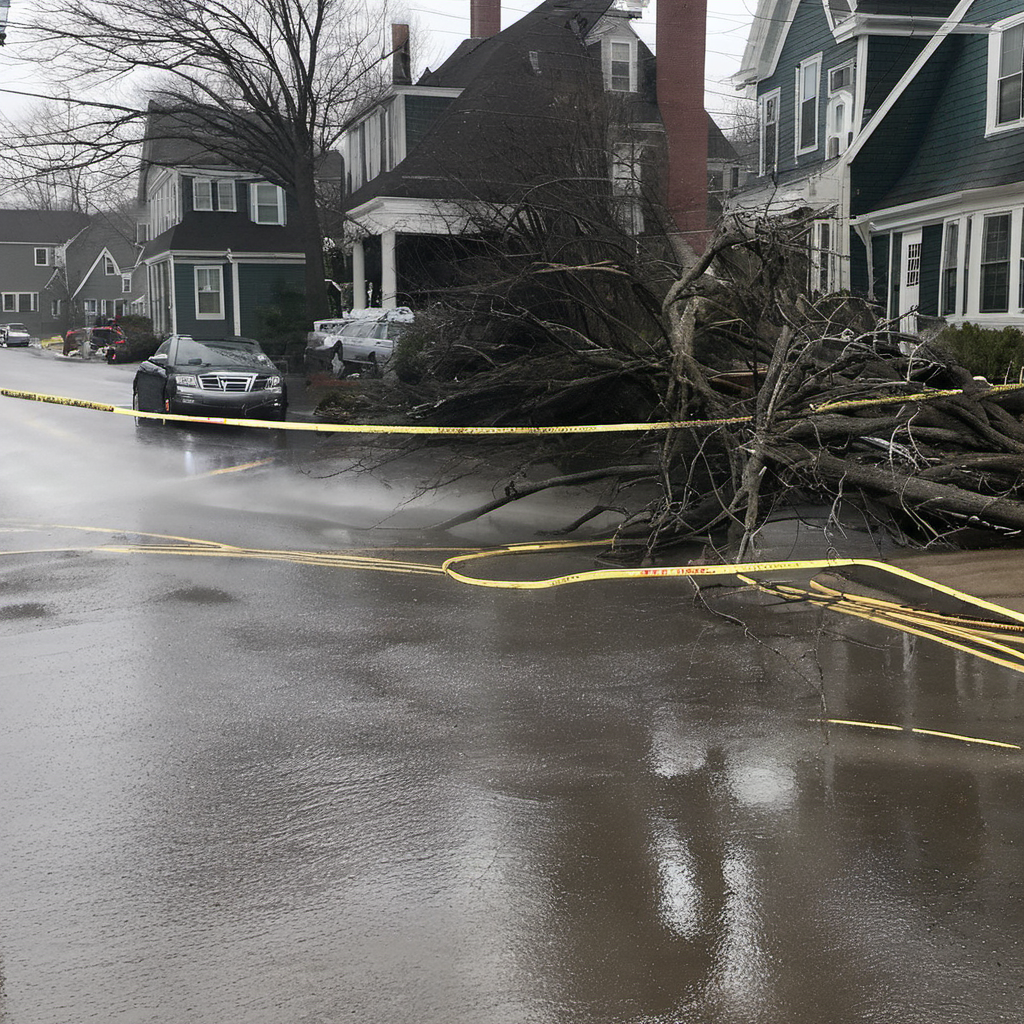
(49, 227)
(524, 91)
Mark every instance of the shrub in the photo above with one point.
(997, 355)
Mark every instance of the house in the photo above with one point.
(219, 242)
(61, 269)
(902, 128)
(505, 113)
(33, 244)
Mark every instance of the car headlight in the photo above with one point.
(186, 380)
(273, 382)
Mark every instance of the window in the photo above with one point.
(770, 132)
(807, 84)
(208, 195)
(43, 257)
(226, 196)
(89, 307)
(840, 78)
(209, 293)
(1010, 76)
(107, 307)
(267, 203)
(824, 258)
(995, 264)
(913, 264)
(950, 266)
(202, 194)
(620, 66)
(109, 267)
(626, 186)
(20, 302)
(54, 308)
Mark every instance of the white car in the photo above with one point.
(363, 339)
(12, 335)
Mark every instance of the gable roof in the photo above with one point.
(49, 227)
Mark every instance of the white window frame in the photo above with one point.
(811, 64)
(226, 199)
(610, 43)
(109, 266)
(201, 272)
(995, 45)
(89, 307)
(775, 96)
(825, 257)
(47, 256)
(126, 283)
(202, 195)
(54, 308)
(255, 204)
(952, 262)
(12, 302)
(841, 100)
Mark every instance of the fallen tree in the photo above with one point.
(809, 402)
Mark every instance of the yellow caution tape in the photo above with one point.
(920, 396)
(380, 428)
(918, 622)
(920, 732)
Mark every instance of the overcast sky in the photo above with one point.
(442, 24)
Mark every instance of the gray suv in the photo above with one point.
(362, 340)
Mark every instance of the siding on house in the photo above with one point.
(808, 35)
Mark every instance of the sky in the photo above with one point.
(443, 24)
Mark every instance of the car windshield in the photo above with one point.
(221, 353)
(17, 327)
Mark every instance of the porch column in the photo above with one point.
(388, 271)
(358, 276)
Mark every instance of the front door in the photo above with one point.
(910, 281)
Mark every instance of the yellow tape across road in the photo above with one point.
(378, 428)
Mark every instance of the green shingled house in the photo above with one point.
(902, 126)
(220, 242)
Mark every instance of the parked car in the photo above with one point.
(12, 335)
(231, 377)
(361, 340)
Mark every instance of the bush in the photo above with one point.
(281, 328)
(997, 355)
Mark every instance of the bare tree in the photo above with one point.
(267, 85)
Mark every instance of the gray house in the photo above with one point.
(33, 246)
(60, 270)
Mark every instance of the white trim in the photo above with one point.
(255, 204)
(813, 61)
(763, 166)
(415, 216)
(219, 269)
(207, 189)
(992, 127)
(606, 60)
(929, 48)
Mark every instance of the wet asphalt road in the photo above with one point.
(247, 789)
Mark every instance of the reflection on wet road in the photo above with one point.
(258, 790)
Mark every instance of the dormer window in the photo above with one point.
(209, 195)
(620, 65)
(109, 267)
(267, 203)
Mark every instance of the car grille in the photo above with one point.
(228, 381)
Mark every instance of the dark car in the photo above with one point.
(12, 335)
(223, 377)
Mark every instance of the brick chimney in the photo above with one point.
(401, 63)
(681, 41)
(484, 18)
